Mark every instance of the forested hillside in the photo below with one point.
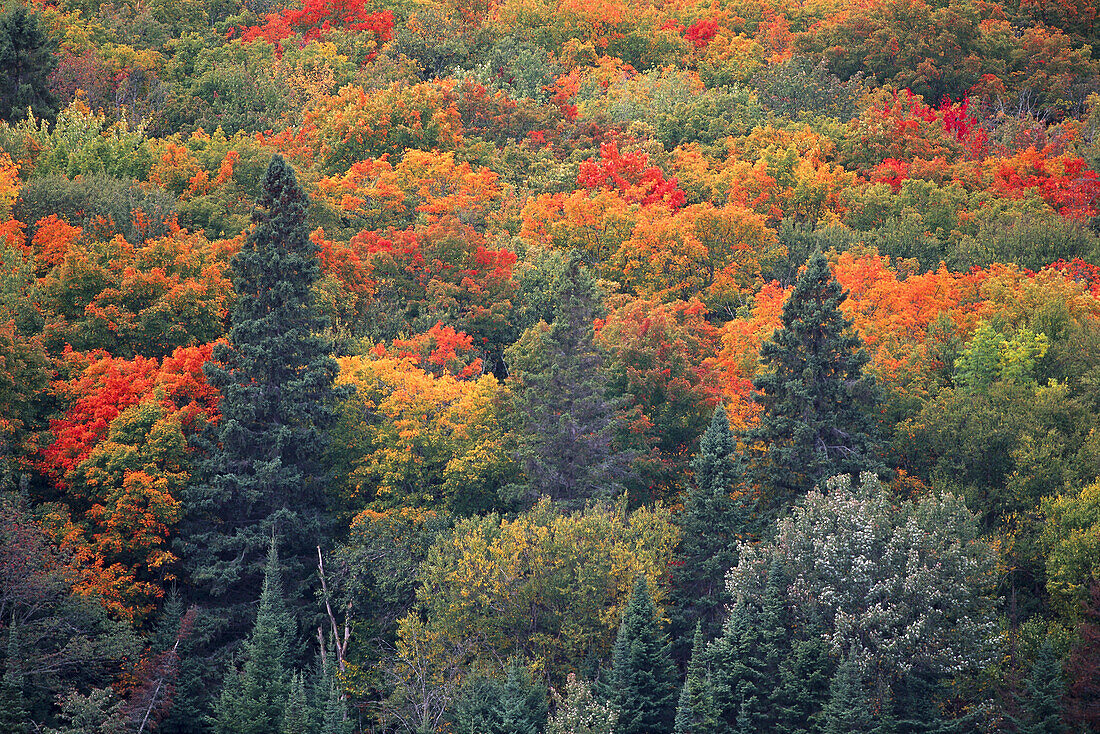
(526, 367)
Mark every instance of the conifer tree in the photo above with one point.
(642, 684)
(297, 716)
(1041, 700)
(803, 687)
(13, 711)
(254, 700)
(566, 420)
(1083, 668)
(696, 713)
(514, 705)
(27, 57)
(849, 710)
(713, 521)
(264, 473)
(817, 402)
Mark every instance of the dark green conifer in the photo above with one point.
(13, 710)
(696, 713)
(642, 684)
(264, 472)
(254, 701)
(27, 58)
(818, 404)
(566, 421)
(803, 688)
(716, 515)
(1041, 699)
(850, 709)
(514, 705)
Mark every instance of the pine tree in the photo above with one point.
(1041, 702)
(566, 420)
(642, 684)
(713, 521)
(264, 473)
(817, 402)
(696, 712)
(254, 700)
(800, 697)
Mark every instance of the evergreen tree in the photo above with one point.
(915, 699)
(802, 692)
(13, 711)
(566, 421)
(1041, 702)
(514, 705)
(254, 700)
(642, 684)
(263, 473)
(850, 709)
(696, 713)
(817, 402)
(713, 521)
(27, 58)
(297, 716)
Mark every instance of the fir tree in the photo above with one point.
(254, 700)
(297, 715)
(802, 692)
(264, 473)
(566, 421)
(817, 402)
(1041, 701)
(713, 521)
(696, 713)
(642, 684)
(27, 57)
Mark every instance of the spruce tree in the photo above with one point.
(696, 712)
(254, 700)
(642, 684)
(566, 421)
(514, 705)
(817, 402)
(850, 709)
(802, 692)
(717, 513)
(264, 474)
(13, 709)
(27, 58)
(1041, 700)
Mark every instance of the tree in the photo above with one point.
(26, 54)
(580, 712)
(515, 705)
(254, 700)
(1041, 701)
(716, 516)
(817, 403)
(850, 709)
(895, 586)
(566, 419)
(696, 713)
(642, 680)
(264, 470)
(1083, 668)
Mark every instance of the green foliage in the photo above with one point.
(580, 712)
(717, 514)
(799, 86)
(818, 405)
(1041, 699)
(991, 356)
(263, 473)
(696, 712)
(892, 585)
(515, 704)
(262, 695)
(642, 680)
(26, 55)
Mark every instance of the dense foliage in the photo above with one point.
(549, 367)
